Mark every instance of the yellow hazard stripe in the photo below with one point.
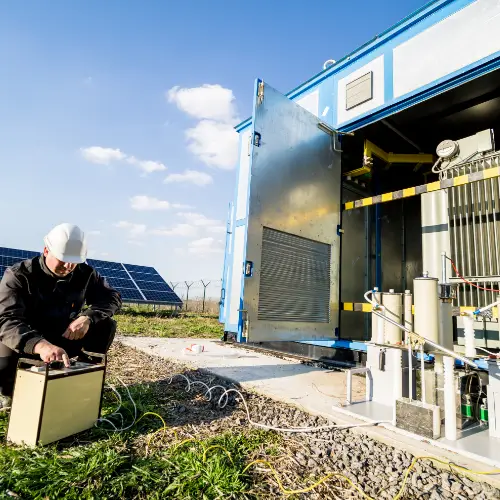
(489, 173)
(367, 308)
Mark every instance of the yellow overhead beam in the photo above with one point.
(372, 150)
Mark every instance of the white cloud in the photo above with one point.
(215, 143)
(142, 202)
(177, 230)
(190, 176)
(208, 101)
(136, 243)
(102, 156)
(217, 229)
(213, 139)
(147, 166)
(180, 206)
(205, 246)
(105, 156)
(94, 233)
(135, 230)
(198, 219)
(104, 254)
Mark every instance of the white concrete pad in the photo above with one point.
(315, 390)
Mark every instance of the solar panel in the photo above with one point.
(140, 269)
(155, 278)
(104, 264)
(130, 294)
(167, 297)
(134, 283)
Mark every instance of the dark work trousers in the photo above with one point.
(98, 339)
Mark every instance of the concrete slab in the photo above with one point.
(315, 390)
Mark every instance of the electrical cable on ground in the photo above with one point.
(223, 401)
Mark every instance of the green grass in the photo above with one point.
(115, 465)
(164, 323)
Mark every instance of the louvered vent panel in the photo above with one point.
(295, 279)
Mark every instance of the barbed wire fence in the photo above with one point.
(199, 296)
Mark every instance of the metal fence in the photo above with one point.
(199, 296)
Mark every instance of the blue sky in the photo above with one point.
(118, 115)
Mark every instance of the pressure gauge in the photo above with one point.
(447, 149)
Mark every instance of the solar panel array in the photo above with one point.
(135, 283)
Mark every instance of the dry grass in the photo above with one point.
(163, 323)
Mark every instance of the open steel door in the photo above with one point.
(292, 259)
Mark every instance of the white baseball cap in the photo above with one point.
(67, 243)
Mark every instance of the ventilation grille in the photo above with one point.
(295, 279)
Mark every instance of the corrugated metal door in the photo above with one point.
(291, 272)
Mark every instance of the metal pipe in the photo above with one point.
(475, 237)
(408, 314)
(487, 205)
(430, 342)
(453, 209)
(465, 209)
(410, 372)
(422, 373)
(443, 264)
(494, 208)
(481, 234)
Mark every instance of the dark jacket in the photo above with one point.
(36, 304)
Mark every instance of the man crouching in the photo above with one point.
(41, 307)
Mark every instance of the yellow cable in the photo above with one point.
(188, 440)
(355, 486)
(220, 448)
(164, 428)
(310, 488)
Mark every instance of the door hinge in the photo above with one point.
(249, 145)
(248, 269)
(260, 93)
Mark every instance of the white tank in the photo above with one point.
(408, 314)
(393, 304)
(377, 297)
(425, 300)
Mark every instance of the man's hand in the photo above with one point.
(78, 329)
(50, 352)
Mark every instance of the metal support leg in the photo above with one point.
(369, 383)
(450, 403)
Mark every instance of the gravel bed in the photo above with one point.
(304, 458)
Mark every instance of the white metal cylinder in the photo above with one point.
(380, 339)
(425, 298)
(470, 341)
(393, 305)
(397, 357)
(376, 297)
(408, 312)
(450, 399)
(434, 214)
